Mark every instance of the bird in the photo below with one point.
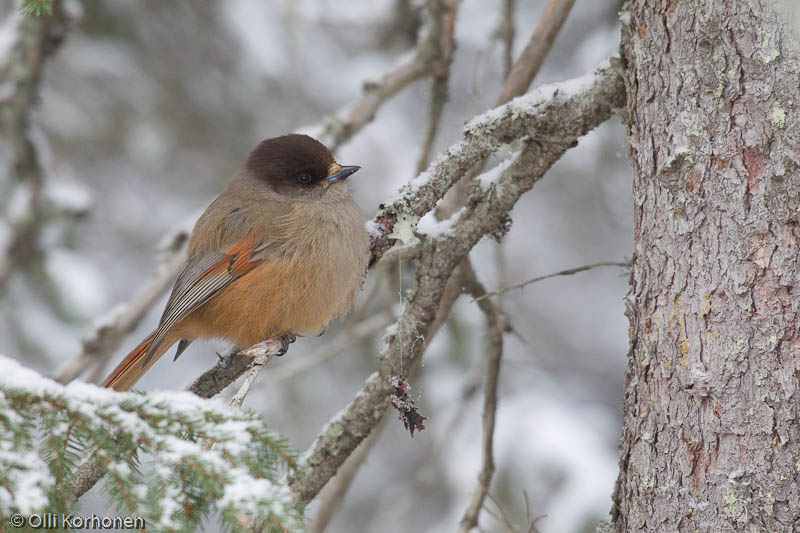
(282, 250)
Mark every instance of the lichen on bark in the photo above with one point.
(711, 439)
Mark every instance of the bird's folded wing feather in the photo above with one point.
(202, 278)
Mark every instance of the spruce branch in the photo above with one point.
(36, 8)
(239, 475)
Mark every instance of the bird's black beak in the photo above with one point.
(343, 173)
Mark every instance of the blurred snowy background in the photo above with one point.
(150, 106)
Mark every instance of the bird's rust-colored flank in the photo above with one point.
(282, 250)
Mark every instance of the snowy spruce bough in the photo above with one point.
(171, 457)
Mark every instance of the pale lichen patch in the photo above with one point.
(778, 116)
(404, 228)
(769, 50)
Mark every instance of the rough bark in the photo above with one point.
(711, 440)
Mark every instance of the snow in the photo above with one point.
(490, 178)
(69, 196)
(432, 227)
(142, 417)
(528, 104)
(373, 229)
(27, 480)
(424, 178)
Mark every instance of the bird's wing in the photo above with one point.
(202, 278)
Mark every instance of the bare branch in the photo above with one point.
(506, 33)
(444, 10)
(568, 272)
(261, 354)
(501, 515)
(494, 353)
(424, 62)
(532, 57)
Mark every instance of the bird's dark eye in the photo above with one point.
(304, 178)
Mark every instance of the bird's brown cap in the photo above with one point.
(292, 163)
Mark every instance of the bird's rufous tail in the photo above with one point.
(130, 370)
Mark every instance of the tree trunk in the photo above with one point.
(711, 440)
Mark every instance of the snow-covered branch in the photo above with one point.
(549, 121)
(205, 455)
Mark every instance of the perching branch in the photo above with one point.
(209, 384)
(261, 354)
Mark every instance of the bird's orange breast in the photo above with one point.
(298, 292)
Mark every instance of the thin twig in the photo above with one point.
(568, 272)
(262, 353)
(439, 96)
(501, 515)
(494, 352)
(446, 9)
(506, 34)
(344, 123)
